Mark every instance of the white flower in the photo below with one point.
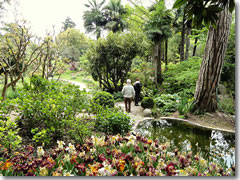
(106, 170)
(71, 149)
(98, 141)
(82, 154)
(60, 144)
(67, 174)
(40, 151)
(66, 157)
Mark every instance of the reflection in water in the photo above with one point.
(184, 136)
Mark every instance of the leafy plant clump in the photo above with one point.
(130, 155)
(48, 109)
(182, 76)
(167, 102)
(111, 121)
(147, 102)
(104, 99)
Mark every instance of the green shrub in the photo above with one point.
(81, 129)
(111, 121)
(227, 106)
(167, 102)
(51, 107)
(104, 99)
(9, 137)
(147, 102)
(118, 96)
(181, 76)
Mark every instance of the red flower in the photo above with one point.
(81, 167)
(137, 149)
(170, 169)
(108, 151)
(101, 157)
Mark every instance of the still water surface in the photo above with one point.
(211, 143)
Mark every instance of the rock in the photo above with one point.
(147, 113)
(222, 89)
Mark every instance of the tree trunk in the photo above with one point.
(211, 67)
(5, 86)
(166, 57)
(182, 37)
(195, 46)
(157, 59)
(189, 29)
(13, 84)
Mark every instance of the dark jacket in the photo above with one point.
(137, 86)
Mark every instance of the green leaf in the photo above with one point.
(179, 3)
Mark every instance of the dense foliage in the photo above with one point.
(48, 109)
(111, 121)
(104, 99)
(182, 76)
(111, 58)
(147, 102)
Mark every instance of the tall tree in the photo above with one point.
(189, 30)
(94, 19)
(217, 16)
(114, 12)
(15, 58)
(158, 30)
(68, 23)
(111, 58)
(183, 32)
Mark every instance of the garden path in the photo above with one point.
(137, 114)
(81, 85)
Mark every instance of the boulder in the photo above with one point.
(147, 113)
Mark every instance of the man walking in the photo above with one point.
(137, 87)
(128, 93)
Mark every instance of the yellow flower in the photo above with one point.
(183, 173)
(82, 154)
(40, 151)
(16, 153)
(67, 174)
(194, 171)
(43, 171)
(60, 144)
(66, 157)
(56, 174)
(203, 162)
(189, 169)
(71, 148)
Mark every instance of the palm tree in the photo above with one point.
(158, 30)
(114, 13)
(94, 19)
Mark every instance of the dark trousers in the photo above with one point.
(137, 98)
(127, 102)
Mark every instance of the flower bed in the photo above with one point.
(131, 155)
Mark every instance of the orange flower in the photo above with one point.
(149, 141)
(121, 165)
(7, 165)
(138, 163)
(73, 159)
(94, 168)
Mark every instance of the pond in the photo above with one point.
(211, 143)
